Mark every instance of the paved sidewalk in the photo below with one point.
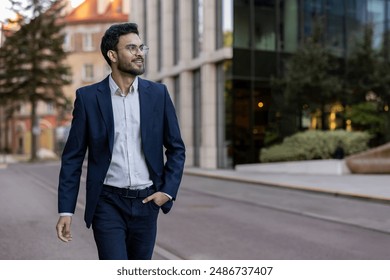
(372, 187)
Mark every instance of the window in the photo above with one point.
(159, 35)
(242, 24)
(177, 94)
(197, 28)
(264, 26)
(88, 74)
(176, 32)
(197, 115)
(145, 22)
(67, 45)
(224, 23)
(88, 42)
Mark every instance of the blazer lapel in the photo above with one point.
(105, 105)
(146, 110)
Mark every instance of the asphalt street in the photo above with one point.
(211, 219)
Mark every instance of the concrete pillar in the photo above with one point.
(208, 158)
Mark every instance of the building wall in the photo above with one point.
(78, 56)
(200, 138)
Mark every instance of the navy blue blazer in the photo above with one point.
(93, 130)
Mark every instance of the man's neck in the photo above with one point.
(124, 82)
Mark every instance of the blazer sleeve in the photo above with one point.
(175, 149)
(72, 159)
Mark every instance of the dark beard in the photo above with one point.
(132, 71)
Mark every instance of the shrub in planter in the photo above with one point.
(315, 144)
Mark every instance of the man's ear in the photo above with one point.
(112, 55)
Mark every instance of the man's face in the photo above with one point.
(130, 57)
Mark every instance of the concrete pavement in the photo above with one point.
(328, 177)
(363, 186)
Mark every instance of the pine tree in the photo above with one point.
(33, 59)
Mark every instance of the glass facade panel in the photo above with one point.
(176, 32)
(289, 25)
(242, 63)
(265, 64)
(145, 31)
(241, 24)
(197, 28)
(224, 23)
(261, 107)
(197, 116)
(264, 25)
(176, 87)
(266, 33)
(227, 24)
(242, 135)
(224, 115)
(334, 29)
(355, 21)
(159, 36)
(312, 9)
(376, 15)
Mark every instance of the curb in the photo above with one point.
(288, 186)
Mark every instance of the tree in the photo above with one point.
(311, 77)
(362, 68)
(368, 86)
(33, 59)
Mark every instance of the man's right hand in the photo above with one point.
(63, 228)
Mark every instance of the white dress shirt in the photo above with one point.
(128, 167)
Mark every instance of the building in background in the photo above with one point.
(191, 52)
(85, 25)
(218, 57)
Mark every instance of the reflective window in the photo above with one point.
(159, 36)
(197, 28)
(224, 23)
(355, 20)
(376, 16)
(176, 88)
(224, 115)
(197, 115)
(289, 25)
(241, 24)
(312, 10)
(264, 25)
(176, 32)
(334, 29)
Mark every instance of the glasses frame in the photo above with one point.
(134, 49)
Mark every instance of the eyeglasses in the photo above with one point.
(133, 49)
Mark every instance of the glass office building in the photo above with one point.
(218, 56)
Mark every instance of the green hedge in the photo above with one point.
(315, 144)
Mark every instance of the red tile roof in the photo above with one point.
(87, 12)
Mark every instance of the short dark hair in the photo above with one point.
(110, 38)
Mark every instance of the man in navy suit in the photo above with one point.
(126, 123)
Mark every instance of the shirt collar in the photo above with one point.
(114, 88)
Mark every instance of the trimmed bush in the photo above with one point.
(315, 144)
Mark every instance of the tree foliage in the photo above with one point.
(32, 58)
(315, 78)
(311, 79)
(368, 86)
